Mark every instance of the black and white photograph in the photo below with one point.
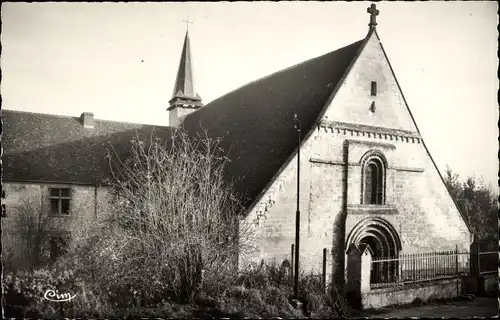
(250, 160)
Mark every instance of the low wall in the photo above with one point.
(438, 289)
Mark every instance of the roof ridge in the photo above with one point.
(76, 118)
(38, 113)
(127, 122)
(269, 184)
(280, 71)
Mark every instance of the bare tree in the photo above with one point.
(174, 217)
(30, 231)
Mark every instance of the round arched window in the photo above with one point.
(373, 185)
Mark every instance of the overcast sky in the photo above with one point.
(119, 60)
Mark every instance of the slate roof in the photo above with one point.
(256, 120)
(49, 148)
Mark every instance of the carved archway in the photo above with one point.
(385, 243)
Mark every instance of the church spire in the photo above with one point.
(184, 85)
(184, 97)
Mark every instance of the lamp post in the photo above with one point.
(296, 125)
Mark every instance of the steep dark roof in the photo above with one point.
(50, 148)
(256, 120)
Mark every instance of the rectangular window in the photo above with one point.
(60, 200)
(374, 89)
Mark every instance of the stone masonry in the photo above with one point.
(417, 203)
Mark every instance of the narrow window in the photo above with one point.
(373, 192)
(368, 184)
(60, 200)
(374, 183)
(374, 89)
(379, 191)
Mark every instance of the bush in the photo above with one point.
(24, 291)
(238, 301)
(173, 221)
(270, 289)
(263, 276)
(262, 291)
(321, 302)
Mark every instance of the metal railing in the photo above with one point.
(418, 267)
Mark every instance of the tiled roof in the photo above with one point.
(50, 148)
(256, 120)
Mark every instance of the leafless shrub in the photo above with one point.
(173, 219)
(29, 230)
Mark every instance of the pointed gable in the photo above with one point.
(370, 94)
(255, 121)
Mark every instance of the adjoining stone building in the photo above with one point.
(366, 176)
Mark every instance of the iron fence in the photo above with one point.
(418, 267)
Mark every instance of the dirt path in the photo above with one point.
(479, 307)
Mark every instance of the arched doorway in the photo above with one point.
(385, 243)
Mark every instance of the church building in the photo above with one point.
(365, 176)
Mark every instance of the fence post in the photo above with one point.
(434, 264)
(353, 269)
(414, 264)
(359, 263)
(366, 265)
(456, 269)
(478, 258)
(323, 280)
(478, 271)
(293, 261)
(474, 265)
(400, 267)
(419, 266)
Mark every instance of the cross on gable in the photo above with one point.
(372, 10)
(187, 23)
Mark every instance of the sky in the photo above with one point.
(119, 60)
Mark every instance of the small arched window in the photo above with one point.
(373, 185)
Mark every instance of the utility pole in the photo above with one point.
(296, 125)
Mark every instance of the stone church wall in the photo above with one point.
(417, 204)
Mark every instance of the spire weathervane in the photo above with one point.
(372, 10)
(187, 23)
